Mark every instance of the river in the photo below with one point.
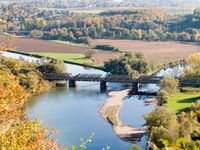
(73, 112)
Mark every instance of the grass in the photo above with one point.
(182, 101)
(68, 43)
(75, 58)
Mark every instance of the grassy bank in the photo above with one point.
(182, 101)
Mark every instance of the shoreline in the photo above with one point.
(110, 111)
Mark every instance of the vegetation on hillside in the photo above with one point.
(166, 129)
(19, 80)
(136, 24)
(182, 131)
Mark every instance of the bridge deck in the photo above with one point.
(98, 78)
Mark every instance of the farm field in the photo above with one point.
(182, 101)
(43, 46)
(154, 51)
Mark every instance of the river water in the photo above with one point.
(73, 112)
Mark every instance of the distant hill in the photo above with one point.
(163, 2)
(115, 3)
(126, 3)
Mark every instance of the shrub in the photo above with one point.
(180, 144)
(106, 48)
(89, 54)
(135, 148)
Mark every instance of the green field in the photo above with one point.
(68, 43)
(76, 58)
(182, 101)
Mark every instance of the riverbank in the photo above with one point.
(110, 112)
(39, 55)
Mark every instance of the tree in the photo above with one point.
(128, 64)
(194, 62)
(169, 84)
(40, 23)
(163, 124)
(162, 97)
(36, 33)
(136, 34)
(71, 36)
(54, 66)
(196, 109)
(180, 144)
(16, 131)
(158, 134)
(184, 36)
(85, 40)
(161, 116)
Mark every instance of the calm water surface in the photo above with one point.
(74, 112)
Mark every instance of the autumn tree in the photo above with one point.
(162, 123)
(162, 97)
(194, 62)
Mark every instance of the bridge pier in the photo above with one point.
(135, 87)
(61, 83)
(72, 83)
(103, 85)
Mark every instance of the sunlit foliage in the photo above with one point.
(16, 131)
(194, 62)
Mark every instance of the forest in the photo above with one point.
(135, 24)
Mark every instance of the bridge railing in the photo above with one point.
(55, 76)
